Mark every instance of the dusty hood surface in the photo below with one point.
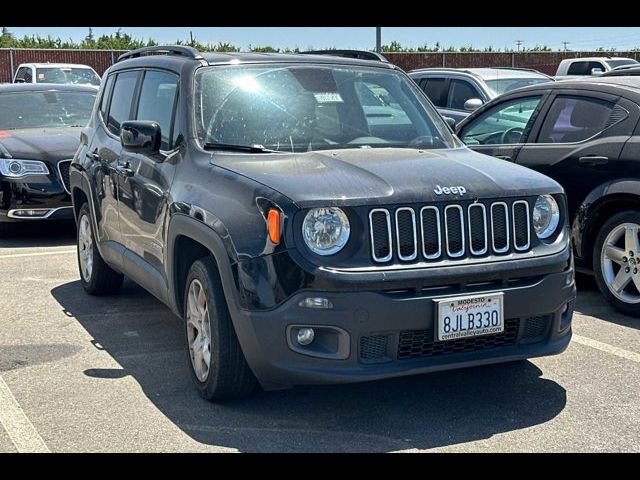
(386, 175)
(40, 143)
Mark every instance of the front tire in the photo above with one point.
(96, 276)
(616, 262)
(216, 361)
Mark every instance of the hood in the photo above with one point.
(387, 176)
(50, 144)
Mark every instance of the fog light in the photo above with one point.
(305, 336)
(315, 302)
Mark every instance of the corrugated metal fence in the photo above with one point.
(100, 60)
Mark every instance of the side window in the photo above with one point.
(106, 93)
(21, 73)
(120, 108)
(503, 124)
(28, 75)
(459, 92)
(436, 90)
(157, 101)
(584, 68)
(573, 119)
(385, 117)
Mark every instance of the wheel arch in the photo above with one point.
(599, 205)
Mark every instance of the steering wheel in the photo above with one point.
(508, 136)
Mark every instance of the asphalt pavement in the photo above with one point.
(109, 374)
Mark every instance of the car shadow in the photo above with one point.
(593, 304)
(40, 234)
(424, 411)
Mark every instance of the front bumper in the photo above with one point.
(42, 200)
(537, 313)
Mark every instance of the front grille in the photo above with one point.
(454, 231)
(536, 327)
(374, 347)
(420, 343)
(63, 171)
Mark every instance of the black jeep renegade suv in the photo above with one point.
(313, 220)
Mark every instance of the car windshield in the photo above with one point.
(299, 108)
(40, 109)
(78, 76)
(504, 85)
(620, 63)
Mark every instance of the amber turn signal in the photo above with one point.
(273, 225)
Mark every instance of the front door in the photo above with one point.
(145, 179)
(502, 130)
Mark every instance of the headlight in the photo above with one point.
(546, 216)
(325, 230)
(11, 167)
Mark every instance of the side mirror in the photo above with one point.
(140, 136)
(473, 104)
(596, 71)
(450, 121)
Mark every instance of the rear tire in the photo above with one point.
(216, 362)
(96, 276)
(616, 262)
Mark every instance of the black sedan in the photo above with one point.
(40, 128)
(586, 135)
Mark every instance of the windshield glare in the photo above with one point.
(300, 108)
(45, 109)
(505, 85)
(78, 76)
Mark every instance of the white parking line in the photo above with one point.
(605, 347)
(36, 254)
(20, 430)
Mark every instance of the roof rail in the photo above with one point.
(360, 54)
(168, 49)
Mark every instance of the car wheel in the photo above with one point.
(616, 262)
(216, 361)
(96, 276)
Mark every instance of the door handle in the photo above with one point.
(124, 170)
(594, 160)
(504, 157)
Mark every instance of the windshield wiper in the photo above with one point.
(238, 148)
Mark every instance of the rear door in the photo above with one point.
(579, 141)
(502, 129)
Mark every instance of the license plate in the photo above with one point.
(470, 316)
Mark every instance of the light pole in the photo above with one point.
(379, 39)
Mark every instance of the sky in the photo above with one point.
(579, 38)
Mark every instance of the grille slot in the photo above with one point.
(63, 170)
(454, 232)
(430, 229)
(374, 348)
(380, 227)
(406, 234)
(421, 344)
(477, 229)
(521, 225)
(500, 227)
(535, 328)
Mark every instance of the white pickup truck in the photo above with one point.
(584, 67)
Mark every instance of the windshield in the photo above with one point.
(505, 85)
(45, 109)
(78, 76)
(299, 108)
(620, 63)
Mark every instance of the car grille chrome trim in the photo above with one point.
(459, 252)
(505, 208)
(65, 179)
(485, 236)
(414, 252)
(377, 258)
(478, 229)
(525, 246)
